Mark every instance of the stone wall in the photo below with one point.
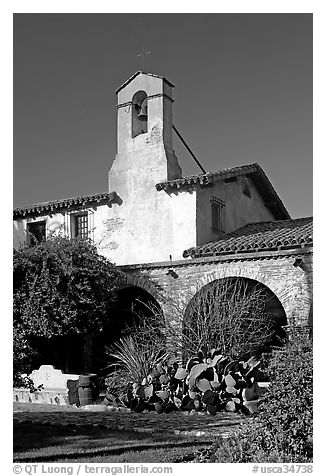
(288, 274)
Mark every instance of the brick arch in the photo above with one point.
(256, 274)
(146, 285)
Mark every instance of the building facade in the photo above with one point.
(183, 232)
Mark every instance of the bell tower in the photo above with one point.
(144, 136)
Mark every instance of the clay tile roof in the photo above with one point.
(260, 236)
(142, 72)
(209, 177)
(59, 205)
(254, 171)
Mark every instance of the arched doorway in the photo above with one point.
(78, 354)
(237, 315)
(132, 304)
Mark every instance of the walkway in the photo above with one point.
(176, 423)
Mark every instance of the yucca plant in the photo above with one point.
(134, 360)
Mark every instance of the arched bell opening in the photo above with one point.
(139, 114)
(239, 316)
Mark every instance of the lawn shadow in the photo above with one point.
(52, 433)
(41, 443)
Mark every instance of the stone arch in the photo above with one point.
(213, 299)
(136, 299)
(133, 302)
(147, 285)
(141, 282)
(257, 273)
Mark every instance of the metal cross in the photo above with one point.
(143, 58)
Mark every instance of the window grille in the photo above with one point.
(218, 215)
(81, 226)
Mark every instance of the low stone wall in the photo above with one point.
(54, 397)
(51, 386)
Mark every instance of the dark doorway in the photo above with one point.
(132, 303)
(63, 352)
(78, 354)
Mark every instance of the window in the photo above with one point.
(36, 232)
(79, 226)
(218, 215)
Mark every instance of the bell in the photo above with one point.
(142, 116)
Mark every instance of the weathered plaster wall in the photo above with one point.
(61, 223)
(142, 231)
(291, 284)
(53, 223)
(148, 227)
(19, 233)
(159, 133)
(240, 209)
(159, 109)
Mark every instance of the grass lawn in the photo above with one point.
(44, 443)
(39, 441)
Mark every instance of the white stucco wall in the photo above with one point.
(159, 110)
(147, 231)
(141, 230)
(149, 226)
(53, 224)
(240, 209)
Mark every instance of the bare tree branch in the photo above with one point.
(226, 314)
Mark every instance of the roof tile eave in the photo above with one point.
(279, 234)
(51, 206)
(209, 176)
(254, 169)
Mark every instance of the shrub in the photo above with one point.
(22, 356)
(134, 360)
(61, 287)
(286, 410)
(282, 430)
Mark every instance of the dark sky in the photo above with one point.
(243, 94)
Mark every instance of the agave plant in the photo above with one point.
(134, 360)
